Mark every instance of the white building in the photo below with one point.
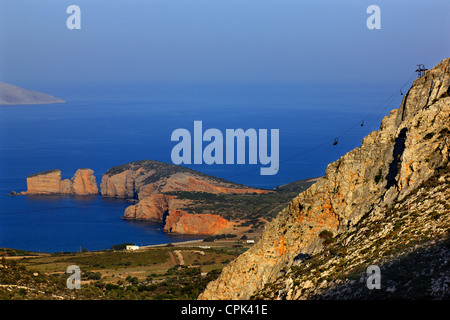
(250, 241)
(132, 247)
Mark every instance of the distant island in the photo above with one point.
(13, 95)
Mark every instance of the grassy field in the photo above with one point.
(174, 271)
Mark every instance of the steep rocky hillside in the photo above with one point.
(362, 188)
(410, 242)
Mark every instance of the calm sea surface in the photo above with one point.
(99, 129)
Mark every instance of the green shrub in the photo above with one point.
(327, 236)
(379, 176)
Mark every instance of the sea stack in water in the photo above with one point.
(49, 183)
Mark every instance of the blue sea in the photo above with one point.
(104, 126)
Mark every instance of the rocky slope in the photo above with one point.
(410, 242)
(50, 183)
(149, 181)
(411, 145)
(13, 95)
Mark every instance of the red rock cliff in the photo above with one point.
(151, 208)
(180, 222)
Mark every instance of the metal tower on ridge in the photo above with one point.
(420, 70)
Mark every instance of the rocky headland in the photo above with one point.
(155, 185)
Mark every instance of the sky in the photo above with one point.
(219, 41)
